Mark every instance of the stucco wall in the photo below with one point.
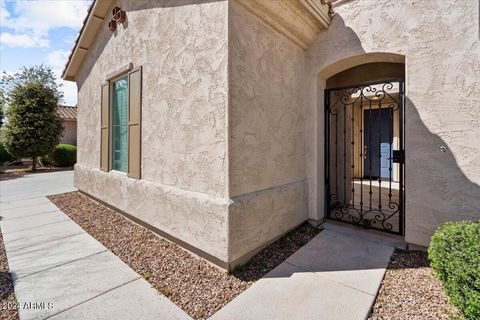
(182, 48)
(69, 134)
(194, 218)
(266, 116)
(367, 73)
(259, 218)
(232, 116)
(266, 133)
(440, 42)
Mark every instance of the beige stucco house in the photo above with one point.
(223, 124)
(68, 114)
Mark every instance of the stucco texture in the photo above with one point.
(258, 218)
(69, 134)
(182, 48)
(266, 137)
(190, 124)
(232, 116)
(440, 43)
(266, 133)
(193, 218)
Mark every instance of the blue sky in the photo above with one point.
(34, 32)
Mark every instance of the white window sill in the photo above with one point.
(118, 172)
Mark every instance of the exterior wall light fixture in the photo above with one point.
(118, 16)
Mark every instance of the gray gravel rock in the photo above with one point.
(7, 294)
(410, 291)
(194, 285)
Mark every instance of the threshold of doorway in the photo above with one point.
(370, 234)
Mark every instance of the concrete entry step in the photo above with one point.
(335, 276)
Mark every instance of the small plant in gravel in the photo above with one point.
(147, 276)
(455, 257)
(163, 289)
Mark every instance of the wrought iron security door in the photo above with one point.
(364, 152)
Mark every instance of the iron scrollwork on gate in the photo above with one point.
(364, 151)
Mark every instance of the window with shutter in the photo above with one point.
(121, 124)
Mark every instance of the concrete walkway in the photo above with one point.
(335, 276)
(55, 262)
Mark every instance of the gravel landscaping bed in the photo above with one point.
(410, 291)
(7, 295)
(193, 284)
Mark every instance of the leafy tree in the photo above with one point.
(33, 127)
(2, 111)
(37, 74)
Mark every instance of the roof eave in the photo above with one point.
(319, 17)
(299, 20)
(97, 13)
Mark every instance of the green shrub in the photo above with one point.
(5, 157)
(64, 155)
(455, 258)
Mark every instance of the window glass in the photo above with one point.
(120, 124)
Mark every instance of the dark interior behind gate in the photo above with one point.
(364, 147)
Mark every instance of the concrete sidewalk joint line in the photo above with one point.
(22, 200)
(339, 282)
(336, 275)
(53, 260)
(60, 265)
(101, 294)
(44, 242)
(30, 215)
(40, 225)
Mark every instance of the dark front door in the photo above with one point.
(377, 142)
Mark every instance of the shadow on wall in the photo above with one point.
(437, 190)
(345, 51)
(146, 4)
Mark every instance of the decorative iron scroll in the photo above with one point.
(364, 124)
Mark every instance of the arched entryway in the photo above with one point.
(364, 145)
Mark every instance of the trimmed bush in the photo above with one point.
(455, 258)
(64, 155)
(5, 157)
